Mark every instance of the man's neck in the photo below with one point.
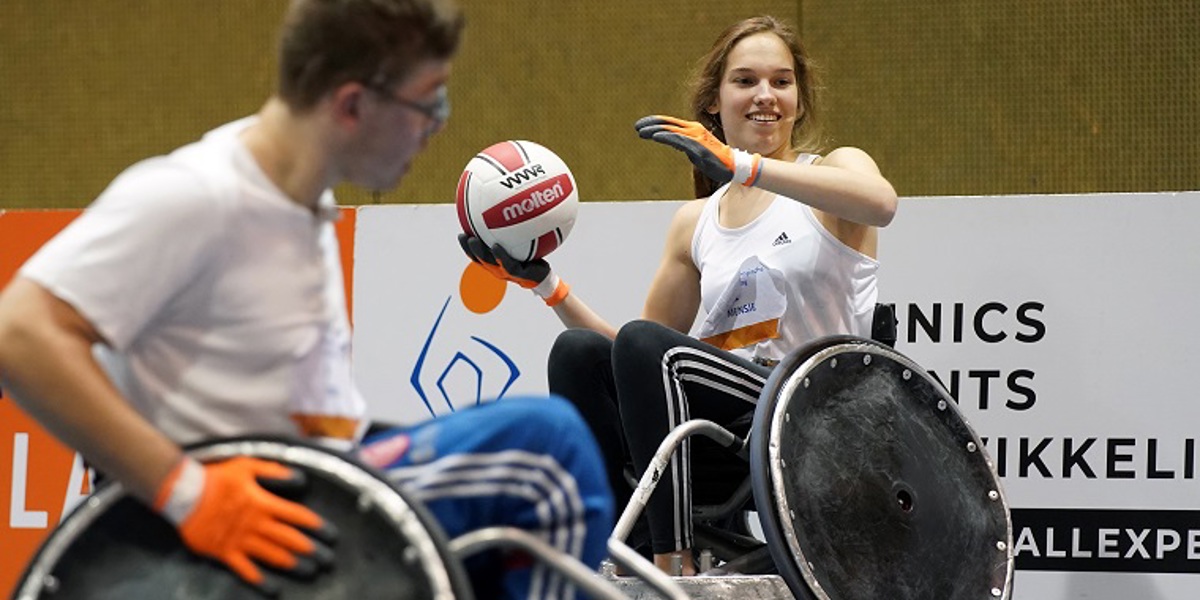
(289, 149)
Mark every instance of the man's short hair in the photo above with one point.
(326, 43)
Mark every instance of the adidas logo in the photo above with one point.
(781, 240)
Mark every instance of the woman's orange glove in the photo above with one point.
(712, 156)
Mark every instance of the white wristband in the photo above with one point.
(745, 167)
(547, 286)
(185, 492)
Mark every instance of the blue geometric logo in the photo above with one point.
(459, 362)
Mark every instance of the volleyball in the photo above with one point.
(519, 195)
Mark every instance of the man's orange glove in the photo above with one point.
(534, 275)
(222, 512)
(712, 156)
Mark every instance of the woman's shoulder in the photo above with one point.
(691, 209)
(846, 156)
(683, 224)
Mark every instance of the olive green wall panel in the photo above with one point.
(574, 76)
(88, 88)
(972, 97)
(1016, 96)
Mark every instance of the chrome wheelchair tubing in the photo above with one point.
(658, 464)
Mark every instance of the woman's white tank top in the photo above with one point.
(779, 281)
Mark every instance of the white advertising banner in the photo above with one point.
(419, 351)
(1065, 326)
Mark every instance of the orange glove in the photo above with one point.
(222, 512)
(712, 156)
(533, 275)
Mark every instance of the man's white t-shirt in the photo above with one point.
(221, 299)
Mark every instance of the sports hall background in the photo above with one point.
(972, 97)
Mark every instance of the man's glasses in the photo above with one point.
(438, 111)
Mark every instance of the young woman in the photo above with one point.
(779, 249)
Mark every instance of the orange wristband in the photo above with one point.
(560, 293)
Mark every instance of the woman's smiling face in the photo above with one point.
(758, 99)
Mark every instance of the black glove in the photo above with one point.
(534, 275)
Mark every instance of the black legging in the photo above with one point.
(635, 389)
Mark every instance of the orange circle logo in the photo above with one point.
(480, 291)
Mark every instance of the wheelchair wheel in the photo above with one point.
(112, 546)
(869, 482)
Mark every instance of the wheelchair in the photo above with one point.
(112, 546)
(866, 479)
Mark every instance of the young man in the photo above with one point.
(211, 278)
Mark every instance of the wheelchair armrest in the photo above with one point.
(883, 324)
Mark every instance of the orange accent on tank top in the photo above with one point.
(744, 336)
